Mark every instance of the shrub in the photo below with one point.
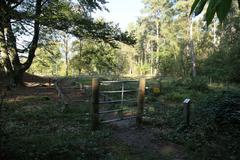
(216, 127)
(198, 84)
(176, 96)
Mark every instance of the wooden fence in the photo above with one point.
(70, 95)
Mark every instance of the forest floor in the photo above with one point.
(146, 144)
(34, 116)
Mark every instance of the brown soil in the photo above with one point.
(34, 86)
(144, 140)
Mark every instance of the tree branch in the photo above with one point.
(44, 3)
(17, 4)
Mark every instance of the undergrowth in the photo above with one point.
(41, 131)
(215, 120)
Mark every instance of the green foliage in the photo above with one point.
(215, 124)
(162, 115)
(198, 6)
(218, 121)
(48, 60)
(96, 57)
(61, 14)
(31, 18)
(219, 7)
(195, 84)
(167, 61)
(36, 129)
(163, 40)
(198, 84)
(143, 69)
(223, 64)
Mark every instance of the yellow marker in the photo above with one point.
(156, 90)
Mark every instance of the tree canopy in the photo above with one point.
(24, 22)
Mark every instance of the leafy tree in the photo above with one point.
(48, 60)
(223, 64)
(170, 42)
(96, 57)
(21, 21)
(128, 59)
(163, 33)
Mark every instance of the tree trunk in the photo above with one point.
(8, 46)
(66, 50)
(191, 47)
(18, 78)
(67, 66)
(214, 32)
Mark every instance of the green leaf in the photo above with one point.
(195, 3)
(200, 7)
(223, 9)
(211, 10)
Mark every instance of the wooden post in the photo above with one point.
(120, 113)
(2, 96)
(95, 104)
(49, 82)
(140, 101)
(122, 96)
(186, 111)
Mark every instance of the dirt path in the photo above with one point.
(144, 142)
(34, 86)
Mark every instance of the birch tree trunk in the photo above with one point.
(191, 47)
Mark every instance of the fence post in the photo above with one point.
(122, 95)
(2, 96)
(186, 111)
(49, 82)
(95, 104)
(140, 101)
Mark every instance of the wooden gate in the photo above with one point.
(101, 97)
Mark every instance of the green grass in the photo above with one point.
(35, 128)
